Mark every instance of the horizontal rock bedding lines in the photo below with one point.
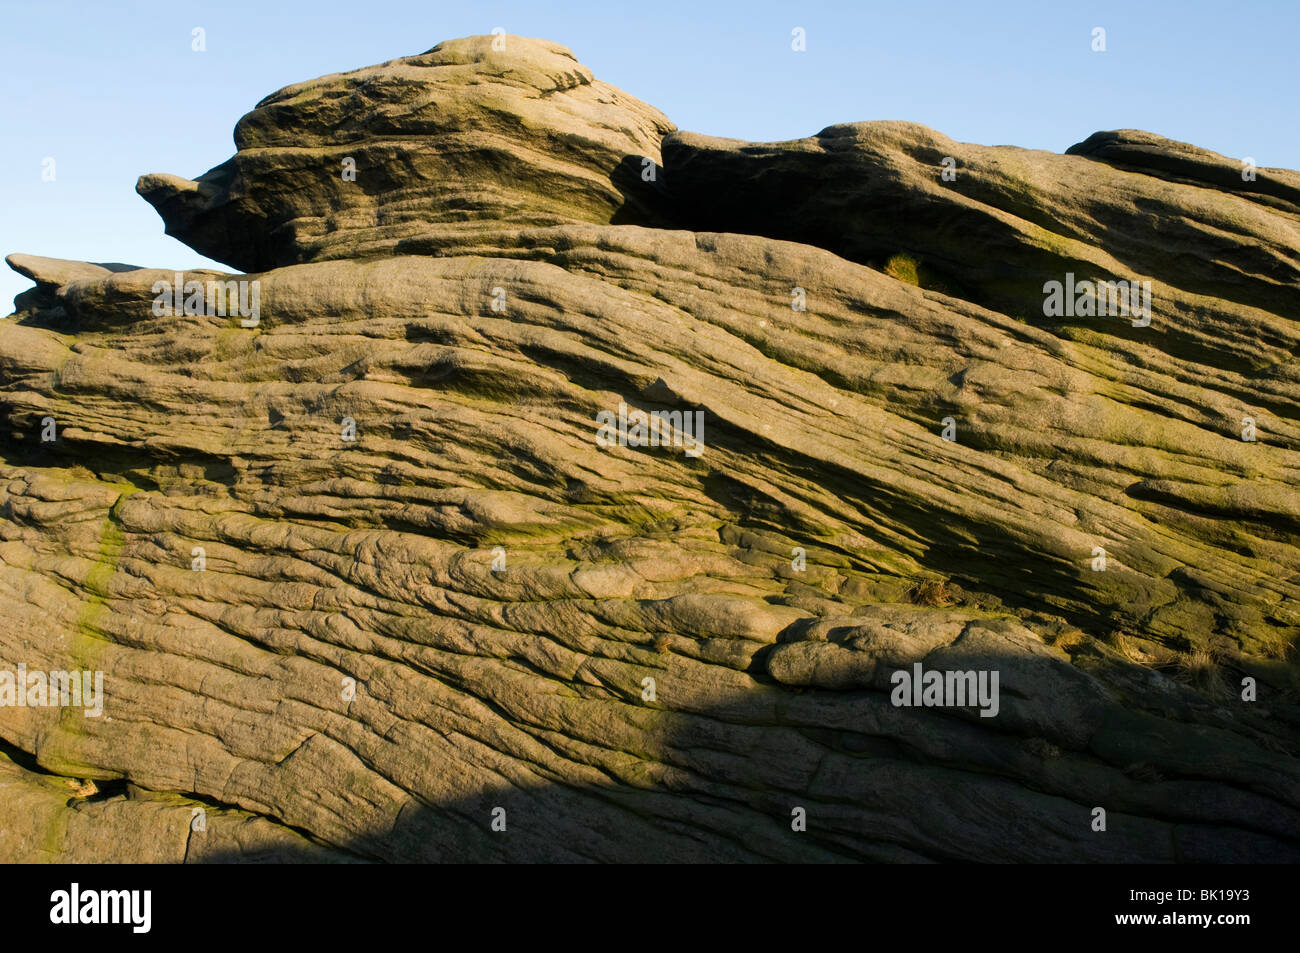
(523, 687)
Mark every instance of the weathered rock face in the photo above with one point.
(870, 191)
(365, 569)
(466, 132)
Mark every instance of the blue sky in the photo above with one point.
(114, 90)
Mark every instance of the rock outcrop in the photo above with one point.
(351, 165)
(367, 579)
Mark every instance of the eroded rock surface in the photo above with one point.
(524, 134)
(360, 648)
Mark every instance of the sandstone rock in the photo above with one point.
(464, 133)
(1223, 264)
(1138, 151)
(637, 653)
(47, 823)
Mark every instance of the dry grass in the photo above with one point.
(904, 268)
(663, 643)
(82, 788)
(1128, 648)
(932, 592)
(1200, 669)
(1069, 639)
(1275, 645)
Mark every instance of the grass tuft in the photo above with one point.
(932, 592)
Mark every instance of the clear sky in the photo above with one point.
(113, 90)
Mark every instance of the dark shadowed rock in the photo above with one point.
(875, 193)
